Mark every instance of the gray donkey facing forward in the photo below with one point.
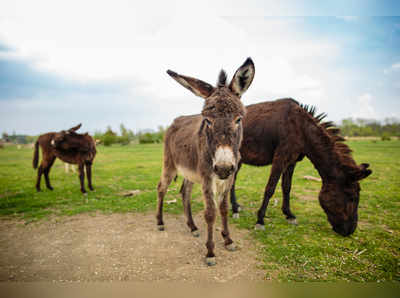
(205, 149)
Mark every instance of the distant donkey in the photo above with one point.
(68, 146)
(68, 167)
(205, 149)
(283, 132)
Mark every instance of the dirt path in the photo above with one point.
(119, 247)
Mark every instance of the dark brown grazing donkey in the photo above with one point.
(282, 132)
(68, 146)
(205, 149)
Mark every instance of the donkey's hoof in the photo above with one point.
(239, 208)
(196, 233)
(50, 188)
(84, 194)
(231, 247)
(292, 221)
(160, 227)
(235, 215)
(259, 227)
(211, 261)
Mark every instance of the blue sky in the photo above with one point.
(97, 64)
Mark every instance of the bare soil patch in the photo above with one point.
(120, 247)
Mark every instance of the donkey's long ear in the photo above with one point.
(198, 87)
(75, 128)
(243, 77)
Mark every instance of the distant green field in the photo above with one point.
(308, 252)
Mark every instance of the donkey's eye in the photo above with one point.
(208, 122)
(238, 120)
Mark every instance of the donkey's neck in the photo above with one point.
(320, 149)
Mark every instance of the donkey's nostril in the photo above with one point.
(224, 171)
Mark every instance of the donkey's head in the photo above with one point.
(60, 137)
(339, 199)
(222, 116)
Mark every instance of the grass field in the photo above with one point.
(307, 252)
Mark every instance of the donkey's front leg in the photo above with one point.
(235, 206)
(82, 177)
(279, 164)
(223, 209)
(209, 216)
(286, 186)
(269, 191)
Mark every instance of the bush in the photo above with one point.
(128, 137)
(146, 138)
(123, 140)
(385, 137)
(108, 139)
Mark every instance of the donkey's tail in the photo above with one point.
(36, 155)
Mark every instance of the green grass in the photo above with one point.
(310, 251)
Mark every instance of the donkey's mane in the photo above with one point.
(329, 129)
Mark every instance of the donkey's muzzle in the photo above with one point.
(224, 171)
(346, 228)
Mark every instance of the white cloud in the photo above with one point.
(89, 40)
(392, 68)
(88, 46)
(396, 66)
(365, 107)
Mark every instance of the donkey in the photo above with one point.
(281, 133)
(204, 149)
(68, 146)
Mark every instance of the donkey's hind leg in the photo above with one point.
(39, 175)
(46, 163)
(88, 166)
(46, 171)
(82, 177)
(286, 186)
(186, 191)
(168, 173)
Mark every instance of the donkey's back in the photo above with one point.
(183, 129)
(266, 125)
(180, 146)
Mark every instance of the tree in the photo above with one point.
(5, 137)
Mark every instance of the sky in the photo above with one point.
(103, 63)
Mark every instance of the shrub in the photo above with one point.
(146, 138)
(123, 140)
(108, 139)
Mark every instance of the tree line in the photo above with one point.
(389, 127)
(127, 136)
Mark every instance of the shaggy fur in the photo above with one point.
(281, 133)
(190, 147)
(68, 146)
